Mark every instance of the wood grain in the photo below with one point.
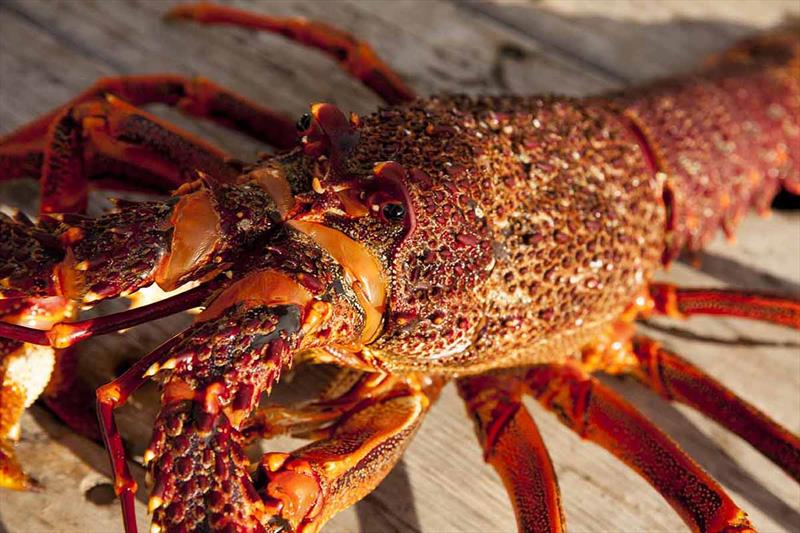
(50, 50)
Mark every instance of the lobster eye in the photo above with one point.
(394, 211)
(304, 122)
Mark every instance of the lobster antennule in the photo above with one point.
(109, 397)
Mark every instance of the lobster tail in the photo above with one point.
(726, 138)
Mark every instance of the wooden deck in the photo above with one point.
(50, 50)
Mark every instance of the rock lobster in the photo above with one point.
(504, 242)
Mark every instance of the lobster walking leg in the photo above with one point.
(308, 486)
(125, 140)
(22, 160)
(354, 56)
(674, 378)
(108, 131)
(513, 446)
(598, 414)
(311, 419)
(682, 302)
(194, 96)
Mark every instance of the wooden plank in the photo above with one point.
(639, 40)
(51, 50)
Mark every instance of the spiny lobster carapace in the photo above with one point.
(506, 242)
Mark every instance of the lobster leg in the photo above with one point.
(680, 302)
(354, 56)
(194, 96)
(309, 420)
(513, 446)
(675, 378)
(126, 140)
(596, 413)
(308, 486)
(138, 143)
(21, 160)
(75, 136)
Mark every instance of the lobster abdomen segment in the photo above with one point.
(726, 137)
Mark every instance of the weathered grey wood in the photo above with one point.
(51, 50)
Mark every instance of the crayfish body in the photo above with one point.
(506, 242)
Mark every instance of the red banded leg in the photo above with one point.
(125, 140)
(677, 379)
(114, 131)
(680, 302)
(306, 487)
(194, 96)
(598, 414)
(513, 446)
(117, 137)
(354, 56)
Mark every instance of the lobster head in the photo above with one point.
(414, 244)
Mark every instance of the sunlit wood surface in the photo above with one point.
(51, 50)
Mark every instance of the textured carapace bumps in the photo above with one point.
(505, 242)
